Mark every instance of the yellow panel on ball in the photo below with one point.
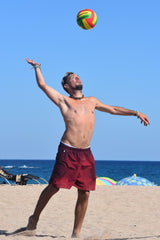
(86, 19)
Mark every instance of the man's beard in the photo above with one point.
(77, 87)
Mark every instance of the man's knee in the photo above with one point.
(83, 195)
(52, 189)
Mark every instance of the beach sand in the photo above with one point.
(114, 212)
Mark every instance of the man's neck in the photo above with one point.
(76, 97)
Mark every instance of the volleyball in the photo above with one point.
(86, 19)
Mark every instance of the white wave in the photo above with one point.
(8, 167)
(25, 166)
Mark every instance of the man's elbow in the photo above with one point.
(42, 86)
(113, 111)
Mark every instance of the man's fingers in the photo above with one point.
(29, 61)
(148, 121)
(32, 62)
(145, 120)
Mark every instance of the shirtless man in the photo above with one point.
(74, 150)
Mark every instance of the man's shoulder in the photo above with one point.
(91, 98)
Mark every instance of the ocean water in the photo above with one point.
(112, 169)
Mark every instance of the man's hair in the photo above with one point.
(64, 79)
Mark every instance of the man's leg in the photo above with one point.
(47, 193)
(80, 210)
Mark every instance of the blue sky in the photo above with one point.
(118, 62)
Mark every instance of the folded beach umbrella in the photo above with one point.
(105, 181)
(134, 180)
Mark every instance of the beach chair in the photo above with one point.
(19, 179)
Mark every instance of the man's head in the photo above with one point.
(71, 82)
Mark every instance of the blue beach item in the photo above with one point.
(134, 180)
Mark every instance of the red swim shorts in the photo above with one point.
(74, 167)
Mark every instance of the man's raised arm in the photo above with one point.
(55, 96)
(121, 111)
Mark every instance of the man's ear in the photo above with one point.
(66, 86)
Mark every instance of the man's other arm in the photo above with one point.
(121, 111)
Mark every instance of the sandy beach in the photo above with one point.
(114, 212)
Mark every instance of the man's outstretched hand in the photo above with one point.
(144, 119)
(33, 63)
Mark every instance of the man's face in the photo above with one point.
(75, 82)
